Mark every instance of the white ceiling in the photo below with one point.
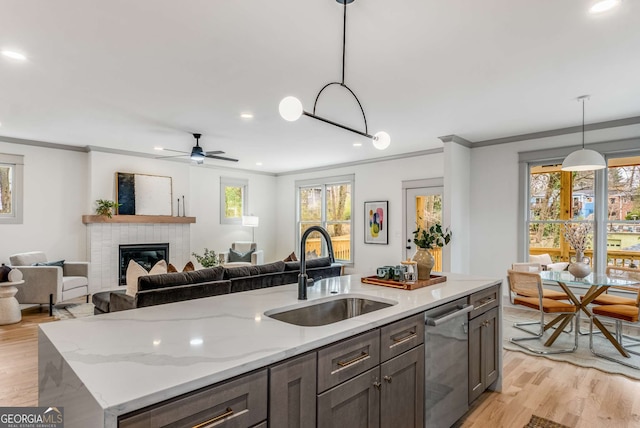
(132, 75)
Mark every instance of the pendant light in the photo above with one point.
(583, 159)
(291, 109)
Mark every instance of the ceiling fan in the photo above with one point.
(197, 154)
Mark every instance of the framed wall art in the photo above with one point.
(376, 222)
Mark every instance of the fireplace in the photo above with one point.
(146, 255)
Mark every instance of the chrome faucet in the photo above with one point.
(303, 278)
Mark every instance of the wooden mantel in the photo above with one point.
(88, 219)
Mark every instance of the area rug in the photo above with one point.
(538, 422)
(581, 357)
(65, 311)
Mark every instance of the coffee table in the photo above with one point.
(9, 306)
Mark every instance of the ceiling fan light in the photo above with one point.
(290, 108)
(584, 160)
(381, 140)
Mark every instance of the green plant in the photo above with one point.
(432, 237)
(105, 207)
(209, 259)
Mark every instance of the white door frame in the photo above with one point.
(415, 184)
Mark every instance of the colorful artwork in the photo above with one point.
(376, 222)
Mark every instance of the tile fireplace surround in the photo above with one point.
(104, 239)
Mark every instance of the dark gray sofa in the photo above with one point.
(180, 286)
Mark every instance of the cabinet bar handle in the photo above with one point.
(485, 302)
(360, 357)
(411, 335)
(227, 413)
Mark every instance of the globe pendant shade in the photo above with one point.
(381, 140)
(290, 108)
(584, 160)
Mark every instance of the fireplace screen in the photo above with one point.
(146, 255)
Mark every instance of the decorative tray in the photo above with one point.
(435, 279)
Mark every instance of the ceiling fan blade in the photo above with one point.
(221, 158)
(176, 151)
(175, 156)
(215, 152)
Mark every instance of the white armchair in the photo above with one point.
(547, 264)
(242, 248)
(49, 284)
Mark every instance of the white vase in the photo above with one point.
(579, 269)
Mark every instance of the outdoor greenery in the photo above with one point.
(432, 237)
(105, 207)
(233, 201)
(209, 259)
(5, 189)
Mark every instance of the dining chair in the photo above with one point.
(620, 314)
(621, 273)
(528, 292)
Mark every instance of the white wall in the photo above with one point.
(373, 182)
(55, 191)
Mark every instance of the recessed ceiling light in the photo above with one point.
(158, 148)
(604, 5)
(14, 55)
(357, 144)
(259, 163)
(246, 115)
(196, 341)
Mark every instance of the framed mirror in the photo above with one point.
(143, 194)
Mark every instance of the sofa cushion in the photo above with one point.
(153, 282)
(240, 271)
(71, 282)
(310, 264)
(271, 267)
(27, 259)
(101, 300)
(237, 256)
(205, 275)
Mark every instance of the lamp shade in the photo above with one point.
(290, 108)
(381, 140)
(584, 160)
(250, 220)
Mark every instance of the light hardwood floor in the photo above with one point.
(574, 396)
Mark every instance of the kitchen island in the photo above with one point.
(101, 367)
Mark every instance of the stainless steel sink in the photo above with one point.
(328, 311)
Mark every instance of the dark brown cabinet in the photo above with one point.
(402, 390)
(292, 393)
(484, 346)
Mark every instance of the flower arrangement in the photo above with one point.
(432, 237)
(209, 259)
(577, 236)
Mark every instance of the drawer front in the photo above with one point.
(348, 358)
(239, 403)
(484, 300)
(401, 336)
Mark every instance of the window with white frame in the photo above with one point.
(233, 199)
(326, 202)
(11, 167)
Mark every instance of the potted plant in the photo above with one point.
(105, 207)
(425, 239)
(209, 259)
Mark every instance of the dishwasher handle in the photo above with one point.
(462, 309)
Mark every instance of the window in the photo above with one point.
(233, 200)
(556, 196)
(11, 167)
(328, 203)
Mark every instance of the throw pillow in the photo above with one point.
(187, 268)
(15, 275)
(171, 268)
(310, 255)
(237, 256)
(134, 271)
(59, 263)
(291, 258)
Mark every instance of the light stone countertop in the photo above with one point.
(131, 359)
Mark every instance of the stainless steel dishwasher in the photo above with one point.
(446, 338)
